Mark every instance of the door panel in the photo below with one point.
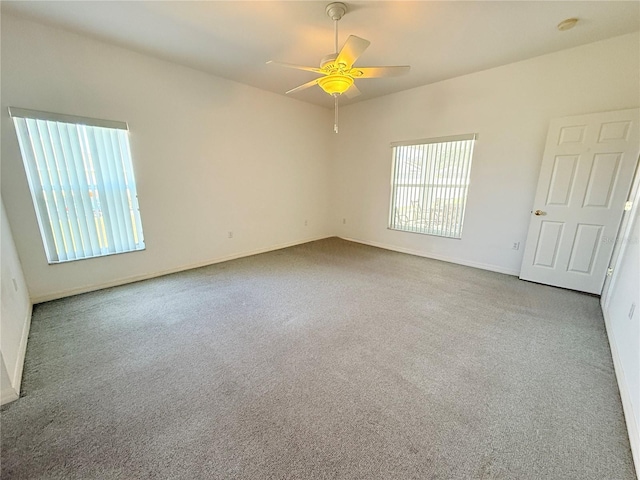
(562, 179)
(602, 180)
(614, 131)
(548, 243)
(585, 248)
(585, 178)
(574, 134)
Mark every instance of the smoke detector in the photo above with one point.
(567, 24)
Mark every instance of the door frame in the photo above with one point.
(623, 232)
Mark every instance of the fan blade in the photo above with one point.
(353, 91)
(378, 72)
(302, 87)
(352, 49)
(297, 67)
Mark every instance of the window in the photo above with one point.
(429, 184)
(81, 179)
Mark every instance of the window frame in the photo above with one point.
(84, 188)
(428, 185)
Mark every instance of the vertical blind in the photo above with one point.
(429, 184)
(82, 184)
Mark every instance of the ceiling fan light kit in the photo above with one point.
(337, 68)
(335, 84)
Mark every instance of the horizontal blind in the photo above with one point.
(430, 180)
(82, 185)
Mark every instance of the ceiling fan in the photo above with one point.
(337, 70)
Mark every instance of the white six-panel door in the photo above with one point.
(587, 170)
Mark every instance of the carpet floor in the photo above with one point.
(325, 360)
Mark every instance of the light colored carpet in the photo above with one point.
(325, 360)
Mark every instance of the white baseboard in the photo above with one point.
(136, 278)
(22, 351)
(482, 266)
(8, 395)
(625, 396)
(13, 393)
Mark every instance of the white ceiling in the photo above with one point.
(439, 39)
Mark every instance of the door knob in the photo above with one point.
(539, 212)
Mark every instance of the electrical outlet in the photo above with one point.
(230, 234)
(344, 221)
(306, 223)
(632, 310)
(516, 246)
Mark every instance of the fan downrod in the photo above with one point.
(336, 10)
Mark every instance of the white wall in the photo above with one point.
(15, 315)
(510, 108)
(622, 314)
(210, 156)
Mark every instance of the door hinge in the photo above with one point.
(628, 206)
(609, 271)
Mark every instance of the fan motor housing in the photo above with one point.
(328, 61)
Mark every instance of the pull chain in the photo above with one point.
(335, 119)
(335, 95)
